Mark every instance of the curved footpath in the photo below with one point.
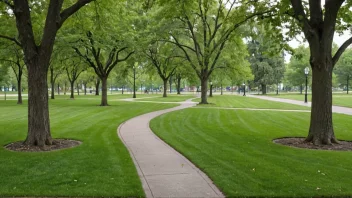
(163, 171)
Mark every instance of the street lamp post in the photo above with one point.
(306, 72)
(244, 89)
(134, 80)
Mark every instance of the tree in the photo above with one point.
(319, 25)
(87, 77)
(74, 68)
(183, 72)
(13, 56)
(205, 27)
(163, 57)
(37, 57)
(267, 63)
(55, 69)
(102, 60)
(295, 70)
(343, 69)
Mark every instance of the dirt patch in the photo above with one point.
(300, 143)
(58, 144)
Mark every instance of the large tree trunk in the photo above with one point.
(178, 85)
(19, 88)
(85, 88)
(97, 86)
(38, 110)
(170, 82)
(104, 92)
(204, 88)
(165, 88)
(211, 91)
(321, 126)
(58, 89)
(72, 89)
(263, 89)
(221, 89)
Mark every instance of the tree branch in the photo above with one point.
(66, 13)
(11, 39)
(341, 50)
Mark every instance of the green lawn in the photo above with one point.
(235, 101)
(235, 149)
(110, 97)
(344, 100)
(101, 166)
(169, 98)
(13, 96)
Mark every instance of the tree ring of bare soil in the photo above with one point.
(300, 142)
(57, 144)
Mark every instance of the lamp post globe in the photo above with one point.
(306, 72)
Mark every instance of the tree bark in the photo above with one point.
(38, 111)
(58, 89)
(170, 81)
(211, 91)
(72, 89)
(221, 89)
(301, 89)
(97, 86)
(85, 88)
(52, 83)
(165, 88)
(178, 85)
(263, 89)
(321, 126)
(204, 89)
(19, 88)
(104, 92)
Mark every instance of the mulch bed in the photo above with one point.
(300, 143)
(58, 144)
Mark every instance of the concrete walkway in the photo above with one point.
(335, 109)
(163, 171)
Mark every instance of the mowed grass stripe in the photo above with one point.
(169, 98)
(235, 149)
